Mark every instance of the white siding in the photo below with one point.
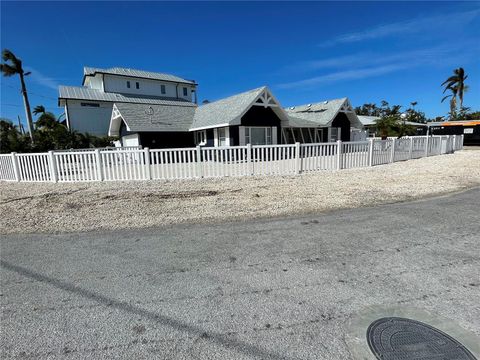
(96, 82)
(94, 120)
(118, 84)
(130, 140)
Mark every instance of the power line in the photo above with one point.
(30, 93)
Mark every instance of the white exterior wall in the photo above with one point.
(118, 84)
(94, 120)
(130, 140)
(95, 82)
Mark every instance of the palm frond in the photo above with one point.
(7, 55)
(445, 97)
(453, 79)
(8, 70)
(39, 110)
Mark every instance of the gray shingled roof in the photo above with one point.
(84, 93)
(136, 73)
(319, 113)
(224, 111)
(147, 117)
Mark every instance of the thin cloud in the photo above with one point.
(372, 58)
(365, 65)
(406, 27)
(42, 79)
(344, 75)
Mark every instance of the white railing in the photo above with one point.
(207, 162)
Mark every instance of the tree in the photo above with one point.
(456, 85)
(10, 138)
(13, 66)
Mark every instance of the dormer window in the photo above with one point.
(185, 91)
(128, 84)
(162, 89)
(137, 85)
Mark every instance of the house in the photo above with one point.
(370, 125)
(160, 110)
(88, 108)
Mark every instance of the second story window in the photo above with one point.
(162, 89)
(137, 85)
(185, 91)
(128, 84)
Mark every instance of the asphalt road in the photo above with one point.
(279, 289)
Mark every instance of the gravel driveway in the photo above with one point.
(65, 207)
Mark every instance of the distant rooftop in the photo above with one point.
(136, 73)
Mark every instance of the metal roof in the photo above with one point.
(136, 73)
(84, 93)
(372, 120)
(224, 111)
(368, 120)
(153, 118)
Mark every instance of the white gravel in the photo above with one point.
(66, 207)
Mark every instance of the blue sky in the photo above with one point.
(305, 52)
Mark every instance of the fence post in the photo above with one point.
(249, 159)
(339, 154)
(370, 151)
(148, 172)
(98, 161)
(199, 162)
(410, 150)
(461, 145)
(426, 146)
(53, 166)
(297, 158)
(16, 169)
(392, 154)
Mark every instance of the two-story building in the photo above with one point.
(88, 108)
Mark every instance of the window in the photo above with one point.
(185, 91)
(162, 89)
(223, 139)
(90, 104)
(128, 84)
(258, 135)
(201, 137)
(137, 85)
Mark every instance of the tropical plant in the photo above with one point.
(11, 139)
(13, 66)
(46, 120)
(456, 85)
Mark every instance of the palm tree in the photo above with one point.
(453, 100)
(46, 120)
(13, 66)
(456, 84)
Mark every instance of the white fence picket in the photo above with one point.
(188, 163)
(7, 172)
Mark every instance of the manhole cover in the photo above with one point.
(394, 338)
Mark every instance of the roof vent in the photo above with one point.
(309, 105)
(292, 108)
(325, 102)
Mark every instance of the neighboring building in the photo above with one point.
(370, 125)
(88, 108)
(469, 128)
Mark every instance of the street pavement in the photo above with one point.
(266, 289)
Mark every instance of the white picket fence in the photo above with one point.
(199, 162)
